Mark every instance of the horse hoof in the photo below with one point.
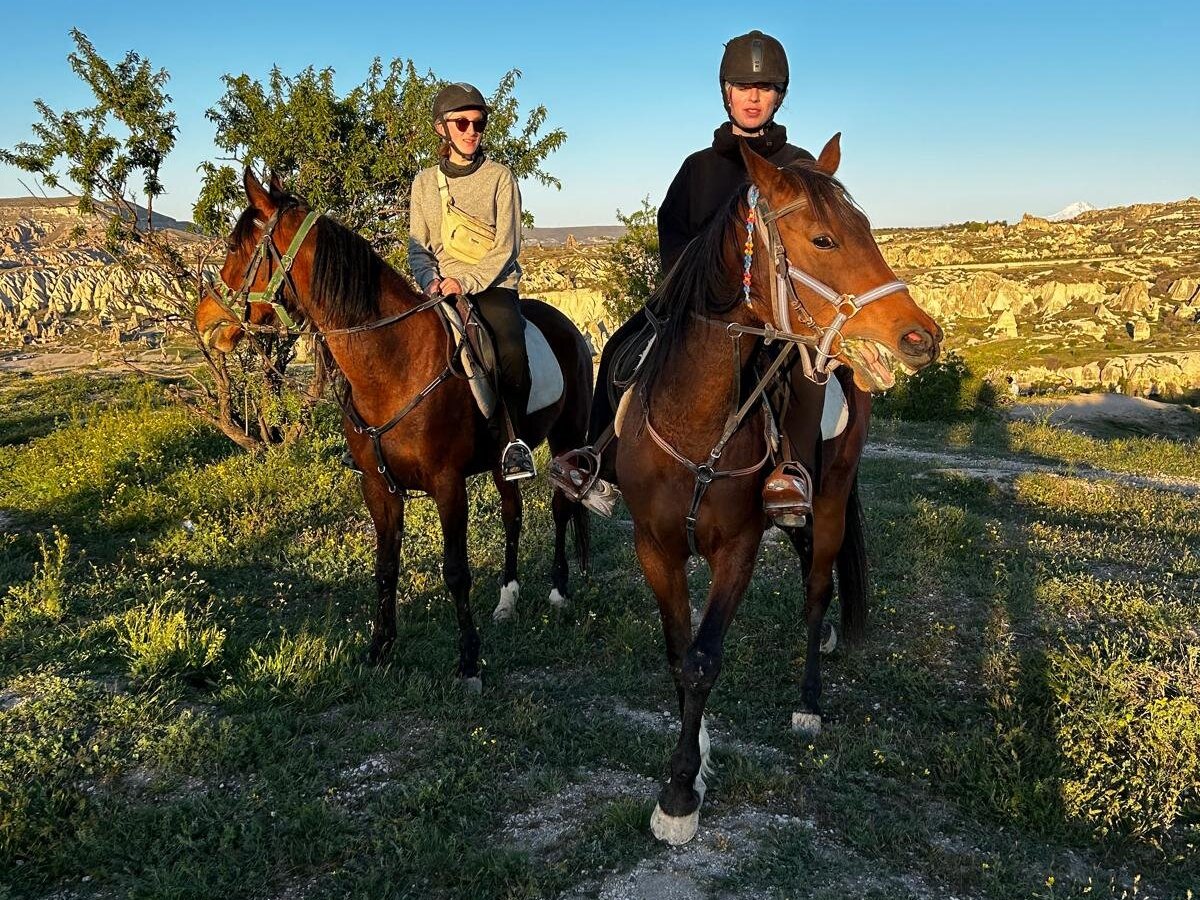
(829, 638)
(675, 830)
(472, 685)
(507, 607)
(557, 600)
(806, 723)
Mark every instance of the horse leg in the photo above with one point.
(566, 511)
(510, 513)
(828, 528)
(451, 499)
(387, 512)
(677, 815)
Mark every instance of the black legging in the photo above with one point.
(501, 310)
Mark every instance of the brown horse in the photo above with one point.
(393, 351)
(690, 469)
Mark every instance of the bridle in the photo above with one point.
(281, 273)
(783, 297)
(783, 290)
(272, 294)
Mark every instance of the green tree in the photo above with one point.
(632, 263)
(355, 155)
(97, 151)
(130, 100)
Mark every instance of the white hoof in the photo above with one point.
(507, 607)
(557, 600)
(675, 830)
(828, 639)
(473, 685)
(806, 723)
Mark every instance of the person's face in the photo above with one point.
(752, 105)
(464, 127)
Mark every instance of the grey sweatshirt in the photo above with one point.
(491, 195)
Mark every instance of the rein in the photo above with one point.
(817, 367)
(272, 295)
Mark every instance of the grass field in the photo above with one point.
(183, 712)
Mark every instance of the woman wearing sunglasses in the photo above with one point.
(464, 238)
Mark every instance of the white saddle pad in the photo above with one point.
(544, 372)
(836, 414)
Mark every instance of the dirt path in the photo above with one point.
(992, 468)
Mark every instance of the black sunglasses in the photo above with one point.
(463, 124)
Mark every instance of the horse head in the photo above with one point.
(824, 272)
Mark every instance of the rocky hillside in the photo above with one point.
(1109, 298)
(54, 274)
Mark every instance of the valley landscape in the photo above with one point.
(184, 711)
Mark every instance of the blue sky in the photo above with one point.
(949, 111)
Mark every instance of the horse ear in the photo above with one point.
(258, 196)
(762, 173)
(831, 156)
(275, 184)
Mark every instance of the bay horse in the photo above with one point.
(693, 445)
(393, 351)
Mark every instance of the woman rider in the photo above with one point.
(464, 238)
(753, 78)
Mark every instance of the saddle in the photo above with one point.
(473, 349)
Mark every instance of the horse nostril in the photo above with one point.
(918, 342)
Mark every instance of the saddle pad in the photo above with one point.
(545, 374)
(836, 414)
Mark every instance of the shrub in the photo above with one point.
(946, 390)
(42, 597)
(161, 643)
(633, 266)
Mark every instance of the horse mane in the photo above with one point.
(346, 275)
(700, 282)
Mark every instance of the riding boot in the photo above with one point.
(787, 495)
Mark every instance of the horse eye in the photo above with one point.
(824, 242)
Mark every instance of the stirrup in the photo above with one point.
(577, 474)
(787, 495)
(516, 462)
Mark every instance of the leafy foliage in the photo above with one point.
(130, 100)
(945, 391)
(634, 268)
(355, 155)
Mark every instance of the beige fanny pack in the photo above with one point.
(464, 236)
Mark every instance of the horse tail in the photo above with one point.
(852, 570)
(581, 528)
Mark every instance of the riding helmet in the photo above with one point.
(456, 96)
(754, 58)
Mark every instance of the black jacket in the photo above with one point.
(707, 179)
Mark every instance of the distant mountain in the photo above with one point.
(1070, 212)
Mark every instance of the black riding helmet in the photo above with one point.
(456, 96)
(753, 58)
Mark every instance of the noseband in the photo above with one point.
(783, 291)
(266, 249)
